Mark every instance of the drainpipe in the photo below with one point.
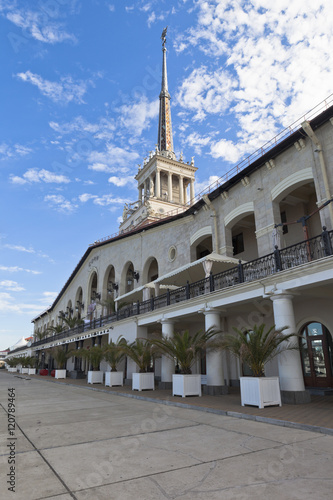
(310, 133)
(214, 215)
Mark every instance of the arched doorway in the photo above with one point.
(317, 355)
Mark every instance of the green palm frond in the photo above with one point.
(257, 346)
(185, 348)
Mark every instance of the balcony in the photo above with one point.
(290, 257)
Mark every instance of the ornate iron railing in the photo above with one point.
(280, 260)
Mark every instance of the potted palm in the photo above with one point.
(60, 355)
(12, 364)
(93, 355)
(142, 352)
(185, 349)
(254, 348)
(114, 354)
(31, 364)
(24, 362)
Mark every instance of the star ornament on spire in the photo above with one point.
(163, 37)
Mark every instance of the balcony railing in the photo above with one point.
(280, 260)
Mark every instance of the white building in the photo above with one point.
(251, 250)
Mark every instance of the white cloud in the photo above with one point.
(206, 92)
(137, 117)
(13, 286)
(60, 204)
(9, 304)
(274, 65)
(201, 186)
(7, 151)
(16, 269)
(128, 181)
(65, 91)
(197, 141)
(20, 248)
(112, 156)
(39, 24)
(33, 175)
(104, 200)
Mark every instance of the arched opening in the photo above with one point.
(317, 355)
(205, 247)
(69, 310)
(128, 277)
(79, 306)
(201, 243)
(110, 288)
(150, 270)
(244, 241)
(294, 204)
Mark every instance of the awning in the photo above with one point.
(197, 270)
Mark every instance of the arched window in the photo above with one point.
(317, 355)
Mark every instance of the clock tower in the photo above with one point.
(165, 184)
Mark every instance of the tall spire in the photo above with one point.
(164, 141)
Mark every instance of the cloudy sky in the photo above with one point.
(79, 108)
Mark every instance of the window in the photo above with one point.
(238, 243)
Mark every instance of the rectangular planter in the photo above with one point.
(143, 381)
(25, 370)
(186, 385)
(12, 370)
(31, 371)
(60, 374)
(260, 391)
(114, 378)
(95, 377)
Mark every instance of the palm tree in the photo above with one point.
(142, 352)
(56, 329)
(72, 322)
(114, 352)
(60, 356)
(256, 347)
(94, 355)
(184, 348)
(39, 335)
(12, 362)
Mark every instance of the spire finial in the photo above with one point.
(165, 142)
(163, 37)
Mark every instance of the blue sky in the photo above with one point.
(79, 104)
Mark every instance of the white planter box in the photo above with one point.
(114, 378)
(143, 381)
(31, 371)
(25, 370)
(260, 391)
(95, 377)
(12, 370)
(186, 385)
(60, 374)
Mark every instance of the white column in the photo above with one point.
(170, 186)
(192, 189)
(140, 193)
(158, 184)
(185, 192)
(181, 190)
(168, 365)
(214, 359)
(290, 368)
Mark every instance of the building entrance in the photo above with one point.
(317, 355)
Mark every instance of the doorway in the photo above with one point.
(317, 355)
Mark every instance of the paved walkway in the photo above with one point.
(316, 416)
(81, 443)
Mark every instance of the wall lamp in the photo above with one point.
(69, 310)
(112, 286)
(79, 305)
(134, 274)
(96, 295)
